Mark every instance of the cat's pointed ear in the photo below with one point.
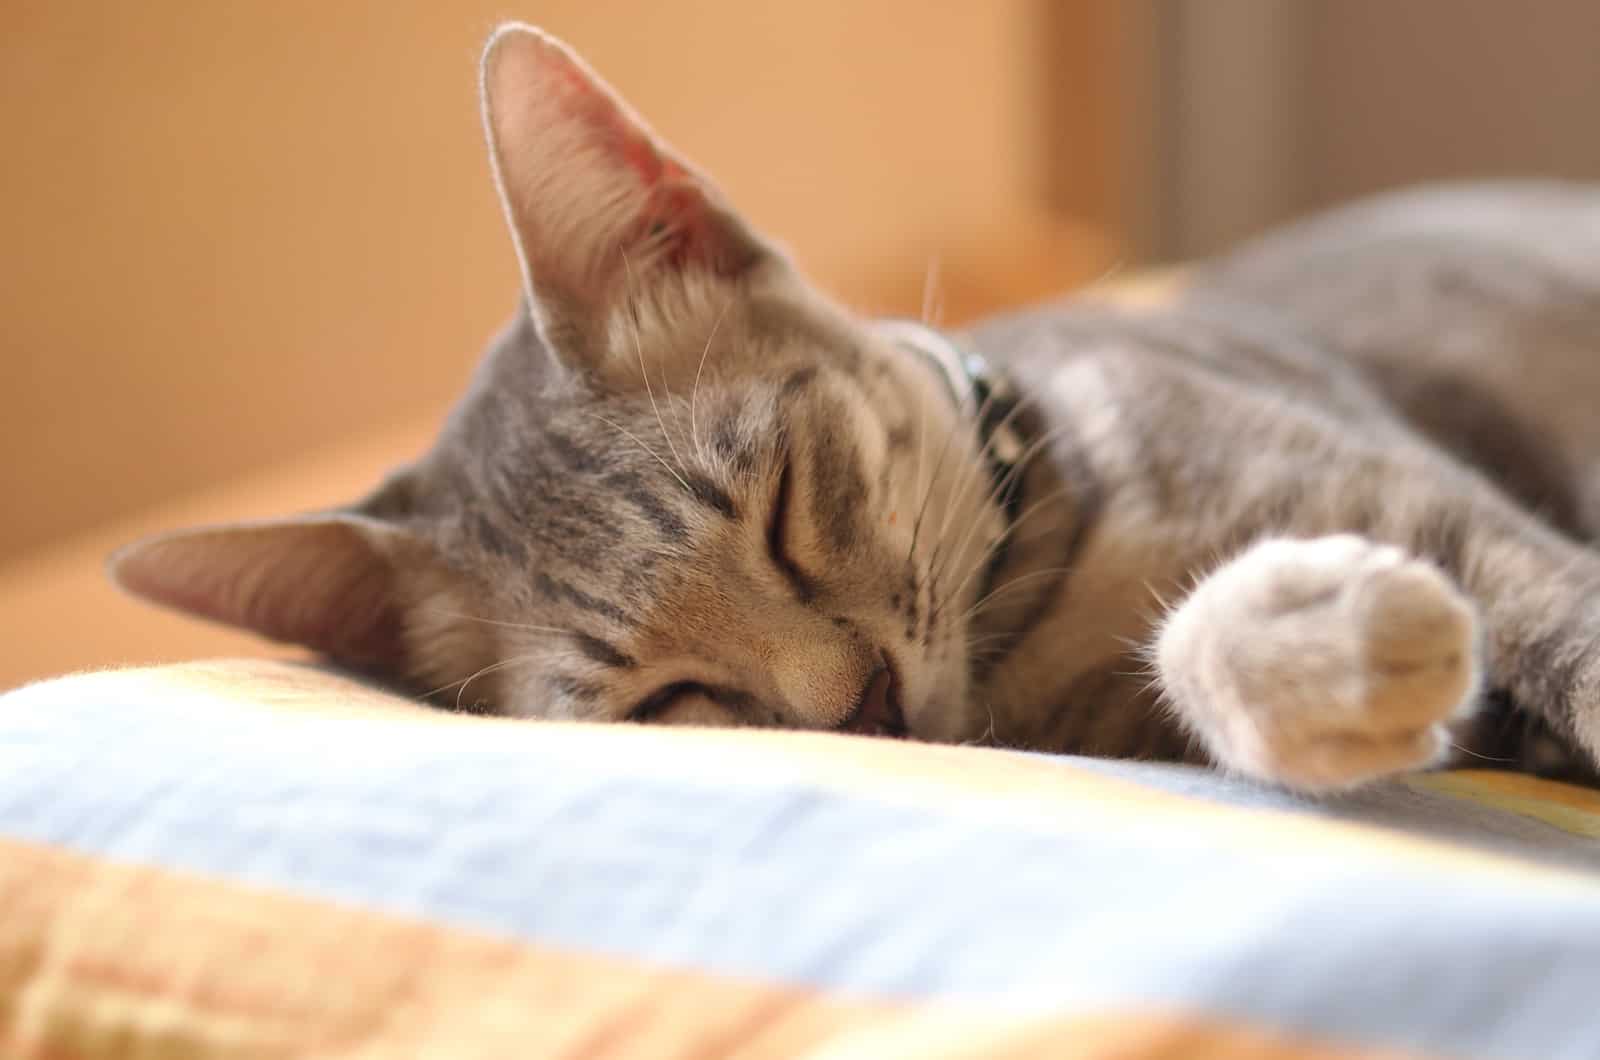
(600, 208)
(330, 582)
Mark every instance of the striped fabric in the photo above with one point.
(255, 859)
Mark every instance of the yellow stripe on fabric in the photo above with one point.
(100, 960)
(1572, 809)
(1042, 791)
(1145, 1035)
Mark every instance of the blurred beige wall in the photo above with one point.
(1269, 110)
(1445, 89)
(236, 232)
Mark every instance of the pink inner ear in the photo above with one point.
(592, 105)
(675, 213)
(583, 176)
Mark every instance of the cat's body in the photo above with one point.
(1292, 522)
(1421, 370)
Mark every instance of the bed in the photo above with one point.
(264, 858)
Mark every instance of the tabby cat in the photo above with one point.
(1321, 518)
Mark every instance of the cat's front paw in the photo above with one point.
(1323, 663)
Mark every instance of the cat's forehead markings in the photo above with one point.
(709, 494)
(631, 487)
(556, 589)
(576, 688)
(732, 444)
(574, 456)
(603, 651)
(838, 492)
(488, 535)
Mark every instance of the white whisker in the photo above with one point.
(930, 290)
(988, 737)
(1006, 481)
(1475, 754)
(633, 317)
(1012, 584)
(635, 439)
(465, 681)
(922, 441)
(694, 391)
(961, 428)
(553, 630)
(1007, 534)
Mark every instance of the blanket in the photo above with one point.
(265, 859)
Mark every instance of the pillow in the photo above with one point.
(261, 859)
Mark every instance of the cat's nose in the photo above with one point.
(877, 711)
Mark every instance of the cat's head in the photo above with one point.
(684, 486)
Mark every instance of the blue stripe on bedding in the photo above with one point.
(771, 876)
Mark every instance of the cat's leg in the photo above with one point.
(1321, 663)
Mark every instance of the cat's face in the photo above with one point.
(684, 487)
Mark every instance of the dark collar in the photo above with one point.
(975, 386)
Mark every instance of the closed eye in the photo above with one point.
(669, 696)
(778, 533)
(662, 699)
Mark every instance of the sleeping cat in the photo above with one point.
(1320, 519)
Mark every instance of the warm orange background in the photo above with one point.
(238, 231)
(239, 235)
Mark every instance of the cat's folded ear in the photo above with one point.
(332, 582)
(600, 208)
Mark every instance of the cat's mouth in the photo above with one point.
(878, 711)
